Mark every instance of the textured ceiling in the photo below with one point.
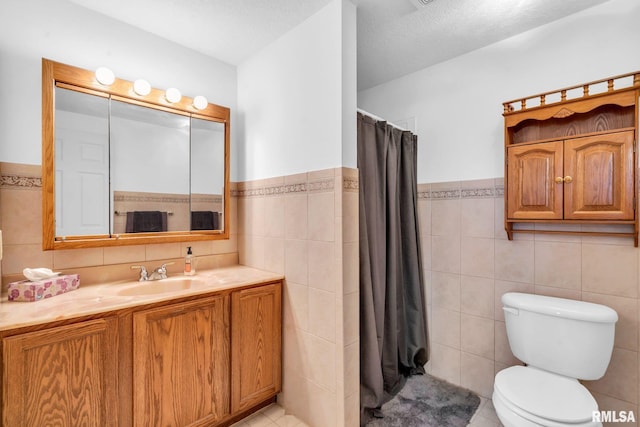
(400, 39)
(394, 36)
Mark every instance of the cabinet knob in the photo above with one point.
(568, 179)
(559, 180)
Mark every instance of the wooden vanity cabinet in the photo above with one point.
(198, 361)
(62, 376)
(256, 345)
(573, 161)
(181, 363)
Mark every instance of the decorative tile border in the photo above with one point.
(302, 187)
(477, 193)
(322, 185)
(206, 198)
(20, 181)
(445, 194)
(426, 194)
(466, 192)
(119, 197)
(350, 184)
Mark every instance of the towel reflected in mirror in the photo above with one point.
(205, 220)
(146, 221)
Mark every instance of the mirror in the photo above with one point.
(207, 149)
(149, 169)
(120, 169)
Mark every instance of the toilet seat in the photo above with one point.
(544, 398)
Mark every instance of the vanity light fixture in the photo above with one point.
(141, 87)
(173, 95)
(200, 102)
(105, 76)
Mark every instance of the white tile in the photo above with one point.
(288, 421)
(259, 420)
(489, 412)
(273, 412)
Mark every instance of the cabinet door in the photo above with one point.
(601, 177)
(64, 376)
(256, 337)
(181, 364)
(533, 192)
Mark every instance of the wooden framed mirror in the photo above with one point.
(120, 168)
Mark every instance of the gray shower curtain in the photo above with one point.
(393, 329)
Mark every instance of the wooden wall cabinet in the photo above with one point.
(63, 376)
(573, 161)
(196, 361)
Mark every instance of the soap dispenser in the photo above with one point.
(189, 269)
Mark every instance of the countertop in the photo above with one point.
(124, 294)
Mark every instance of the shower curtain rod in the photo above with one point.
(373, 116)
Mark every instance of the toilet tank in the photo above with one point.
(568, 337)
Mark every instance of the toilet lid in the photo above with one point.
(546, 395)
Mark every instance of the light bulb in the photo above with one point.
(200, 102)
(173, 95)
(142, 87)
(105, 76)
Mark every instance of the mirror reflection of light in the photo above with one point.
(105, 76)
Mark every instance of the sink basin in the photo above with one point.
(158, 287)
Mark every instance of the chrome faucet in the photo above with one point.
(144, 275)
(157, 274)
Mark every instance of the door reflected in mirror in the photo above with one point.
(81, 164)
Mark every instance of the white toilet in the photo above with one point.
(560, 341)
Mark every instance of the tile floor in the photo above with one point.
(485, 416)
(271, 416)
(274, 416)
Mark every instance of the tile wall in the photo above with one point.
(306, 226)
(21, 222)
(469, 264)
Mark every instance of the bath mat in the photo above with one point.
(426, 401)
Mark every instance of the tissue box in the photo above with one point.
(34, 291)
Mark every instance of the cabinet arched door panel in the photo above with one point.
(533, 192)
(599, 177)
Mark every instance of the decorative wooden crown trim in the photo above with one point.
(586, 93)
(564, 112)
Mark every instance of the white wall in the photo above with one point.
(458, 104)
(349, 85)
(65, 32)
(290, 96)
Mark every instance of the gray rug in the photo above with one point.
(426, 401)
